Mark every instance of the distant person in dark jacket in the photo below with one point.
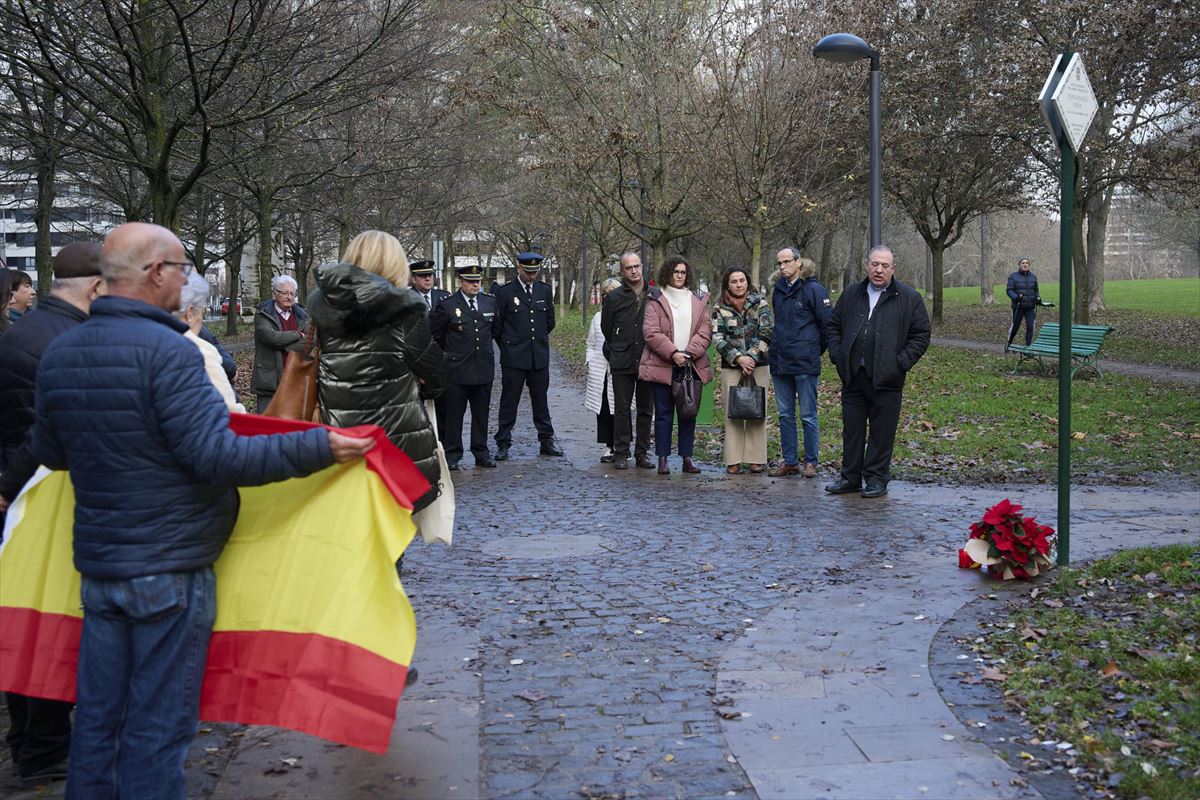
(40, 733)
(378, 359)
(5, 293)
(123, 403)
(878, 332)
(279, 329)
(622, 313)
(1023, 291)
(21, 295)
(802, 310)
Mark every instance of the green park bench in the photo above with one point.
(1086, 341)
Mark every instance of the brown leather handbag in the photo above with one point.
(296, 395)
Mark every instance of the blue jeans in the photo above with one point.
(141, 662)
(787, 389)
(664, 419)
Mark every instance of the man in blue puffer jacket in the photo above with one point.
(801, 334)
(123, 402)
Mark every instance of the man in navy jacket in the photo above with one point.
(1022, 289)
(801, 309)
(123, 402)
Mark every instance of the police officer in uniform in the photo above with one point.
(526, 309)
(464, 324)
(422, 284)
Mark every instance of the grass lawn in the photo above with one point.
(1156, 321)
(1106, 659)
(1162, 297)
(967, 420)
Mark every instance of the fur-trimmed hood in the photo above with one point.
(352, 301)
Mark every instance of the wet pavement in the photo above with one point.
(595, 633)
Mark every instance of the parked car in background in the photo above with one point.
(225, 306)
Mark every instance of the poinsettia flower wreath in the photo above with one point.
(1010, 544)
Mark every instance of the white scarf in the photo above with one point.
(680, 301)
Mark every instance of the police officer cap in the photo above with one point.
(77, 260)
(530, 262)
(421, 267)
(471, 272)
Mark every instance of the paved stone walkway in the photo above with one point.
(590, 631)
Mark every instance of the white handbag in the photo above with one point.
(436, 520)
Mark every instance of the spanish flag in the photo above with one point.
(313, 630)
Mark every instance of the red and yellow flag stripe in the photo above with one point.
(313, 632)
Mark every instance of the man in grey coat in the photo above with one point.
(878, 332)
(279, 329)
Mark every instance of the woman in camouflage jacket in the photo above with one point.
(741, 323)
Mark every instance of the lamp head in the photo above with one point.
(844, 47)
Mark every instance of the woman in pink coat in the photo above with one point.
(677, 331)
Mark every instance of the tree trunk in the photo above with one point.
(823, 269)
(1097, 230)
(937, 257)
(756, 249)
(304, 259)
(264, 269)
(987, 297)
(201, 243)
(854, 264)
(928, 272)
(343, 236)
(233, 263)
(43, 215)
(1079, 269)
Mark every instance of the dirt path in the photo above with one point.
(1149, 371)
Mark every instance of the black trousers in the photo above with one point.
(512, 382)
(627, 388)
(1019, 314)
(870, 417)
(455, 400)
(41, 732)
(604, 420)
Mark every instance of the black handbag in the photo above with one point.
(747, 400)
(685, 390)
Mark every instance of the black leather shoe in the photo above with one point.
(875, 489)
(502, 454)
(550, 448)
(485, 461)
(452, 466)
(620, 463)
(841, 486)
(644, 462)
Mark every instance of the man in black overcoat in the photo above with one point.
(878, 331)
(526, 309)
(465, 325)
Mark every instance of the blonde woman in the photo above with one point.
(599, 395)
(378, 361)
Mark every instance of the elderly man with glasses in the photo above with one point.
(279, 329)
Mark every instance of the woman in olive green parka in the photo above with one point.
(378, 361)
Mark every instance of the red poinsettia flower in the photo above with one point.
(999, 513)
(965, 561)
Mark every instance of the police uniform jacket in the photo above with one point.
(524, 330)
(466, 337)
(436, 296)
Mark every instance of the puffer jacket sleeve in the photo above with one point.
(424, 356)
(720, 336)
(194, 422)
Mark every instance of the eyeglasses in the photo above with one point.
(632, 266)
(185, 267)
(284, 294)
(679, 272)
(785, 261)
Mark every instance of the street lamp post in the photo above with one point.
(846, 47)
